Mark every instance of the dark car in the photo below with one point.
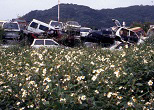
(105, 37)
(12, 30)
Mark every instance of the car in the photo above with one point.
(127, 35)
(46, 43)
(84, 31)
(72, 26)
(12, 30)
(57, 25)
(105, 37)
(38, 27)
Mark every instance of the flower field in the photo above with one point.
(77, 78)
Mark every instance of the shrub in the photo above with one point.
(77, 79)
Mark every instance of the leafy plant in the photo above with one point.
(77, 79)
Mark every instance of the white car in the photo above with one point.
(84, 31)
(38, 27)
(46, 43)
(57, 25)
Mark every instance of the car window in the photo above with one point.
(44, 28)
(49, 42)
(56, 24)
(10, 26)
(39, 42)
(34, 25)
(84, 30)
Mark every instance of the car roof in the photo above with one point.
(42, 23)
(85, 28)
(54, 21)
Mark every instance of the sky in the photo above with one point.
(13, 8)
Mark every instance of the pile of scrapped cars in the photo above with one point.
(111, 38)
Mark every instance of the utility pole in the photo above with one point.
(58, 10)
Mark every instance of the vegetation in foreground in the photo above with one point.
(76, 79)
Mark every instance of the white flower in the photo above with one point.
(150, 83)
(117, 73)
(32, 82)
(124, 54)
(79, 78)
(92, 63)
(119, 97)
(22, 108)
(134, 99)
(37, 70)
(72, 94)
(82, 77)
(145, 61)
(94, 77)
(58, 66)
(96, 91)
(83, 97)
(44, 72)
(62, 100)
(18, 103)
(109, 94)
(51, 69)
(94, 71)
(47, 79)
(120, 87)
(130, 104)
(24, 93)
(112, 66)
(118, 103)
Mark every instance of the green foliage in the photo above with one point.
(1, 34)
(77, 79)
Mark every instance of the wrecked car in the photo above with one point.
(38, 27)
(56, 25)
(12, 31)
(84, 31)
(105, 37)
(72, 28)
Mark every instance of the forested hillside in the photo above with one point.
(87, 16)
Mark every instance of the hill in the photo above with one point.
(87, 16)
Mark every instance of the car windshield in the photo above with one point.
(56, 24)
(84, 30)
(10, 26)
(73, 23)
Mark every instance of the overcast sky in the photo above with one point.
(12, 8)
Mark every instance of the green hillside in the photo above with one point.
(87, 16)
